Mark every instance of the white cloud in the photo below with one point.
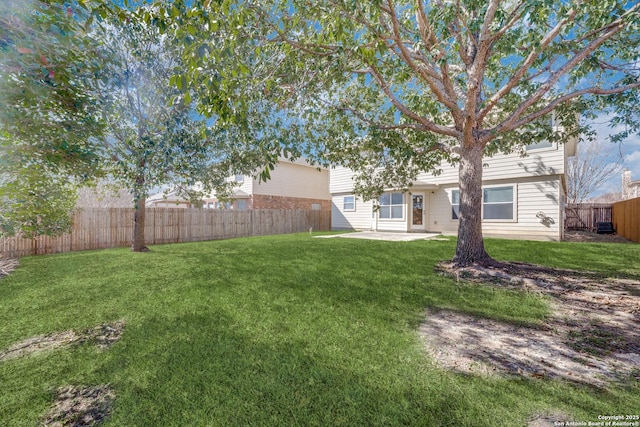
(632, 161)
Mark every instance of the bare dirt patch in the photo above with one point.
(80, 406)
(592, 336)
(103, 336)
(587, 236)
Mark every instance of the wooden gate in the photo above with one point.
(586, 216)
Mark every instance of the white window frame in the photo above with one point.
(455, 204)
(345, 203)
(514, 202)
(529, 147)
(484, 187)
(391, 205)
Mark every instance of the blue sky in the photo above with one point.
(630, 148)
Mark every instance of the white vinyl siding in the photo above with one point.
(541, 162)
(340, 180)
(359, 219)
(533, 196)
(537, 187)
(294, 180)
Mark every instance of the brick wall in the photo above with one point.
(261, 201)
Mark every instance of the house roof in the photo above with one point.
(239, 194)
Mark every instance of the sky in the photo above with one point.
(630, 149)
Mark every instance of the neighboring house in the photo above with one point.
(293, 185)
(523, 197)
(171, 199)
(630, 189)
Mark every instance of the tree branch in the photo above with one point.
(508, 124)
(555, 103)
(429, 125)
(406, 57)
(530, 59)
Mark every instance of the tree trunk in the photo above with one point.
(470, 248)
(138, 226)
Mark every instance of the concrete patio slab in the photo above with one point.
(382, 235)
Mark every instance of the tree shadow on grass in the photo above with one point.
(209, 369)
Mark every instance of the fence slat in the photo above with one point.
(626, 219)
(99, 228)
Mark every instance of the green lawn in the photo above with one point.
(285, 330)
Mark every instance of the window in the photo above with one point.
(455, 204)
(546, 121)
(498, 203)
(241, 204)
(391, 206)
(239, 178)
(349, 203)
(316, 206)
(538, 145)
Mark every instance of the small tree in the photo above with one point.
(153, 135)
(593, 165)
(392, 88)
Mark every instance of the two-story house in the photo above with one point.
(523, 197)
(293, 185)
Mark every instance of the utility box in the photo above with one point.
(605, 228)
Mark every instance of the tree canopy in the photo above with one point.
(97, 90)
(394, 88)
(48, 117)
(387, 88)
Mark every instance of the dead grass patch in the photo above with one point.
(7, 265)
(80, 406)
(103, 336)
(592, 337)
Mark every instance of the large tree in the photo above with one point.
(392, 88)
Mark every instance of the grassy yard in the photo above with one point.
(284, 330)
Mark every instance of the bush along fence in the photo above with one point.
(101, 228)
(626, 219)
(586, 216)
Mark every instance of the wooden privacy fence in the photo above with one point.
(626, 219)
(100, 228)
(586, 216)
